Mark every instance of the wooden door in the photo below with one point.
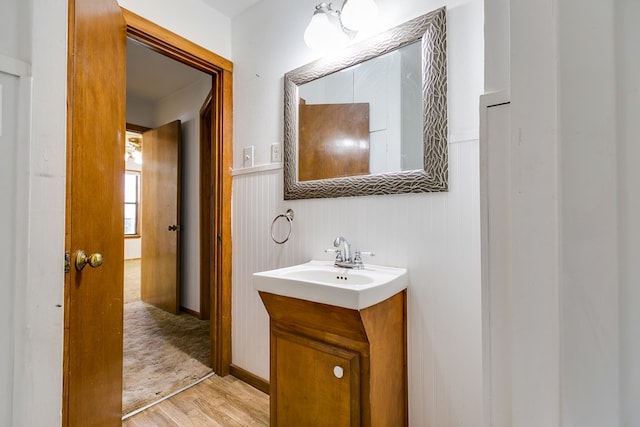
(92, 394)
(160, 217)
(315, 384)
(333, 140)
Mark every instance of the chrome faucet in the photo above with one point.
(345, 256)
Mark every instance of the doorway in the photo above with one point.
(92, 371)
(218, 190)
(166, 345)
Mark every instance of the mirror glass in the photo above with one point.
(371, 119)
(365, 119)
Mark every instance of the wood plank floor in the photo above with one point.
(217, 401)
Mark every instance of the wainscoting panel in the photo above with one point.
(435, 235)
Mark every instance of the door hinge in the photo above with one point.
(67, 262)
(219, 237)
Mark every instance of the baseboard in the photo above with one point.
(249, 378)
(190, 312)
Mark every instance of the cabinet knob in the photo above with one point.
(338, 371)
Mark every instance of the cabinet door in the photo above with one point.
(316, 384)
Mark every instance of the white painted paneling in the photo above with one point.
(436, 236)
(495, 155)
(256, 202)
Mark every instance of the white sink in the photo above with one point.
(320, 281)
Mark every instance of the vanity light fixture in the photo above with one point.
(357, 13)
(330, 28)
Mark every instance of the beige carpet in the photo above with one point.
(162, 352)
(131, 280)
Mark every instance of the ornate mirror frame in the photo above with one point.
(431, 29)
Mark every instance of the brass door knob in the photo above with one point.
(82, 259)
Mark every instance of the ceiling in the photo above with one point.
(152, 76)
(230, 8)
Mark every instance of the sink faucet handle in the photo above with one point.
(337, 252)
(357, 259)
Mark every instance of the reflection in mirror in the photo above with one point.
(365, 119)
(373, 119)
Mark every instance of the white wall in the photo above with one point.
(34, 32)
(436, 236)
(497, 42)
(9, 101)
(627, 15)
(534, 216)
(140, 111)
(572, 343)
(588, 215)
(191, 19)
(14, 72)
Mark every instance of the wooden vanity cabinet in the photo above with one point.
(333, 366)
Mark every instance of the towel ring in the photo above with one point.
(289, 216)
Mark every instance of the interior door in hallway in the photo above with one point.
(160, 217)
(92, 371)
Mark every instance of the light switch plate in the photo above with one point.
(276, 152)
(247, 157)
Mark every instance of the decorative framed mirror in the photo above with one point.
(371, 119)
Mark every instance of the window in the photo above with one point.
(131, 203)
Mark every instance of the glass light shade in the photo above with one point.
(322, 34)
(356, 14)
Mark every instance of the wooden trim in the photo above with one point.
(249, 378)
(207, 267)
(388, 368)
(190, 312)
(175, 47)
(224, 165)
(67, 219)
(137, 128)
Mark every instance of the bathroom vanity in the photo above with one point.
(333, 365)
